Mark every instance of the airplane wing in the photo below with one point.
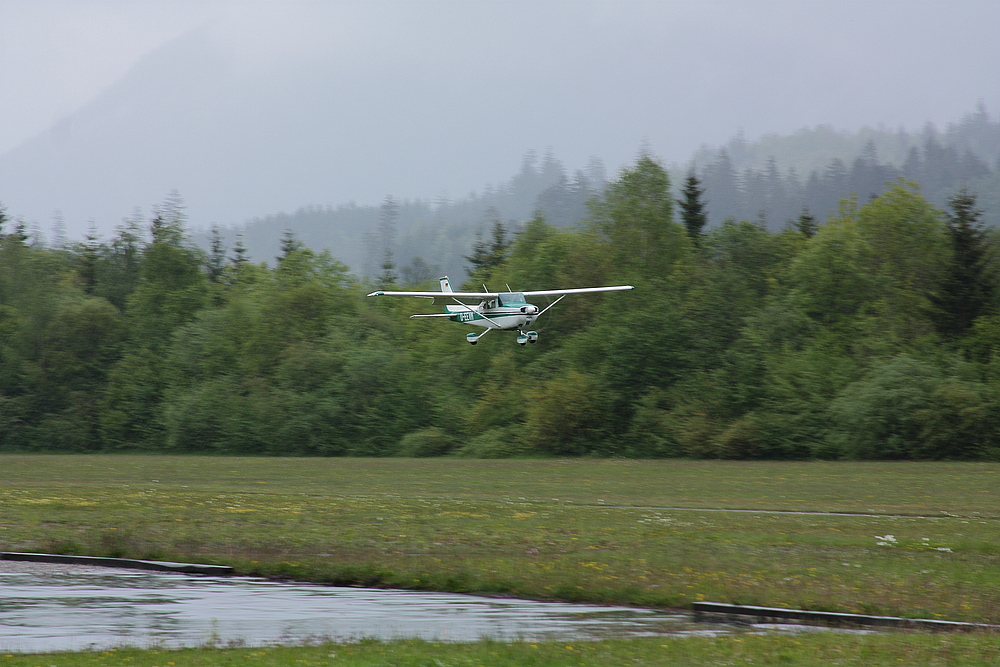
(493, 295)
(578, 290)
(467, 295)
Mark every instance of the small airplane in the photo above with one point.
(496, 310)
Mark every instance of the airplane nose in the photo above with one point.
(529, 310)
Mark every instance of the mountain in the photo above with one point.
(356, 106)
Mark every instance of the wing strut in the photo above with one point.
(470, 308)
(550, 305)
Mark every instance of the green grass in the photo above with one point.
(819, 649)
(553, 529)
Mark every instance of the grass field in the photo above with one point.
(588, 530)
(815, 650)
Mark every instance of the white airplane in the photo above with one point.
(496, 310)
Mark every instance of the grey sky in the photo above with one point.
(483, 82)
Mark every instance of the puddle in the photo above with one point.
(93, 610)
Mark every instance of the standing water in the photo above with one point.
(65, 607)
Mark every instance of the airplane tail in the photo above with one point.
(445, 285)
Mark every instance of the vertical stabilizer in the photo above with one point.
(445, 285)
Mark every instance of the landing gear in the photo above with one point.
(524, 338)
(472, 338)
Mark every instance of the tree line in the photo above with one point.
(872, 334)
(771, 181)
(774, 178)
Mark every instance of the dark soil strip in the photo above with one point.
(712, 610)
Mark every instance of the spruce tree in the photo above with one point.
(289, 245)
(240, 252)
(806, 223)
(693, 214)
(489, 254)
(388, 216)
(216, 264)
(967, 290)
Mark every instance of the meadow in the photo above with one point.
(910, 539)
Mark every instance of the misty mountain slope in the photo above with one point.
(424, 106)
(441, 233)
(403, 104)
(812, 148)
(775, 178)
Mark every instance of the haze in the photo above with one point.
(251, 108)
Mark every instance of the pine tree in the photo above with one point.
(693, 214)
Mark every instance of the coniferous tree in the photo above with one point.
(806, 223)
(722, 184)
(487, 255)
(216, 263)
(388, 216)
(289, 245)
(967, 289)
(88, 253)
(693, 214)
(239, 258)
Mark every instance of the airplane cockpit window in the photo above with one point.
(511, 298)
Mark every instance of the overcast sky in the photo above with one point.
(667, 75)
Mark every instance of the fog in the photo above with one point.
(250, 108)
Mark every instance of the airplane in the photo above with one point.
(496, 310)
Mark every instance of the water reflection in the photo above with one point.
(77, 610)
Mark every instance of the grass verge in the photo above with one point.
(820, 648)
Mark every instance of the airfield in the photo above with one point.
(918, 540)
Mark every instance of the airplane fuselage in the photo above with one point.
(508, 311)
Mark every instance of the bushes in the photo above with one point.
(906, 408)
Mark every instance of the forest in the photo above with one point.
(872, 334)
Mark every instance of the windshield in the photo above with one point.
(511, 298)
